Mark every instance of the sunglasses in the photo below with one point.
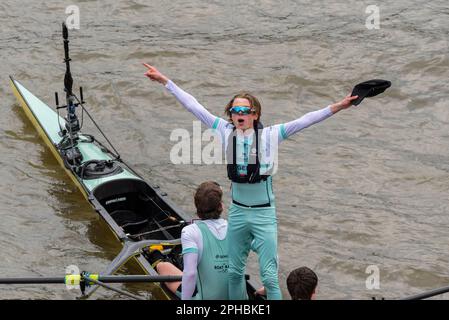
(241, 110)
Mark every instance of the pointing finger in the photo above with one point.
(148, 66)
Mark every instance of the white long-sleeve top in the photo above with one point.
(271, 136)
(211, 121)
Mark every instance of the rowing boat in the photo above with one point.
(139, 214)
(133, 209)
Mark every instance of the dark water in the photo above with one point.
(367, 187)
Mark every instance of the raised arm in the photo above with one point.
(314, 117)
(187, 100)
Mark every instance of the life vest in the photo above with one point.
(253, 167)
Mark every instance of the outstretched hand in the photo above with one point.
(343, 104)
(155, 75)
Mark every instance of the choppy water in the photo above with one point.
(367, 187)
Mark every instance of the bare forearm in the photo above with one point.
(163, 80)
(343, 104)
(336, 107)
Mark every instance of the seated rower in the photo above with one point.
(301, 284)
(204, 248)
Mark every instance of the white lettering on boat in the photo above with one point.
(116, 200)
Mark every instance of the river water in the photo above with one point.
(367, 187)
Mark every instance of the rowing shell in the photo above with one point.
(139, 215)
(135, 211)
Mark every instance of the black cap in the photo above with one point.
(369, 88)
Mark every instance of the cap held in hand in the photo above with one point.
(369, 88)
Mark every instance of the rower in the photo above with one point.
(251, 152)
(302, 283)
(205, 251)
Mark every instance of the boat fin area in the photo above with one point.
(41, 113)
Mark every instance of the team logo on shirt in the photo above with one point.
(222, 268)
(221, 264)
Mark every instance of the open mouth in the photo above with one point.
(240, 121)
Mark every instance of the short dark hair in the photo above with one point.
(301, 283)
(208, 200)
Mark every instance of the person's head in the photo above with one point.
(208, 200)
(302, 283)
(243, 110)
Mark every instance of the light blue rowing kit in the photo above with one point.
(252, 213)
(205, 261)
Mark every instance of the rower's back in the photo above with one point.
(212, 280)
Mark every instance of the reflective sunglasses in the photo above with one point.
(241, 110)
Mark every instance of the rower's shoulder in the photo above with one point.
(190, 233)
(191, 227)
